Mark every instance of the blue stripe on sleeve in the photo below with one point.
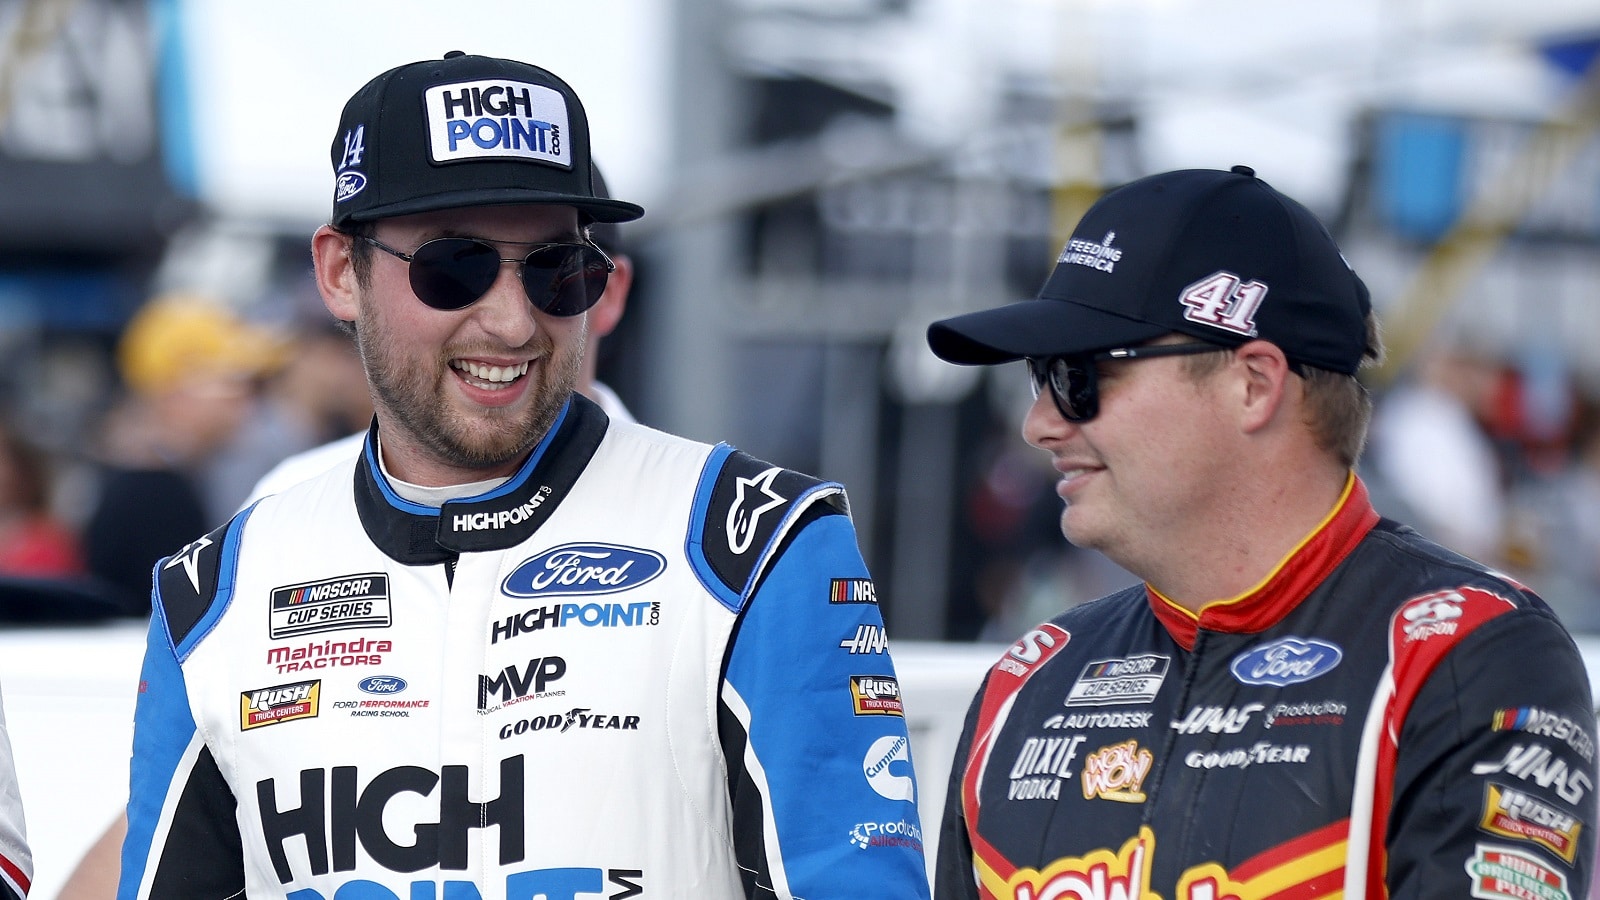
(163, 730)
(841, 832)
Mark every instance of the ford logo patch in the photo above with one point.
(1286, 661)
(584, 569)
(382, 684)
(348, 185)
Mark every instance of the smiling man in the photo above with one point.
(1302, 699)
(517, 648)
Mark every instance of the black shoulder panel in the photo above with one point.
(186, 582)
(752, 505)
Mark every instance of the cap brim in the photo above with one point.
(598, 209)
(1033, 328)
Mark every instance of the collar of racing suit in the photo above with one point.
(417, 535)
(1289, 582)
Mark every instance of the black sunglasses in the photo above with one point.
(560, 278)
(1074, 384)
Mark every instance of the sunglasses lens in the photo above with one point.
(1071, 385)
(564, 280)
(452, 273)
(1074, 386)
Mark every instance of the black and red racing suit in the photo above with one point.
(1379, 717)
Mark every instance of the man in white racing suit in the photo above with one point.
(516, 649)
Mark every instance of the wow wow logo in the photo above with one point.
(1101, 875)
(1117, 772)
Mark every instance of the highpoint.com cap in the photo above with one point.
(1221, 256)
(464, 131)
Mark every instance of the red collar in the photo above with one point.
(1295, 576)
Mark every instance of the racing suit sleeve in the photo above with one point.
(812, 727)
(16, 860)
(1495, 774)
(183, 838)
(953, 877)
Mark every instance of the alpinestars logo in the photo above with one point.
(747, 510)
(189, 558)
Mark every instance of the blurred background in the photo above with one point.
(822, 178)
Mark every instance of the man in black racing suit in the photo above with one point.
(1302, 699)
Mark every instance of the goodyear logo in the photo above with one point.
(282, 703)
(497, 119)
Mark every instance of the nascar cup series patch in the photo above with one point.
(495, 118)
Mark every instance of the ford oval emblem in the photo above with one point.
(584, 569)
(382, 684)
(348, 185)
(1286, 661)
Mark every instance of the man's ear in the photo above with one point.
(336, 274)
(1266, 373)
(607, 311)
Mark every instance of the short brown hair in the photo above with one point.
(360, 250)
(1338, 407)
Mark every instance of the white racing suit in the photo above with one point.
(16, 860)
(643, 667)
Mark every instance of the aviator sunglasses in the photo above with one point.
(1074, 383)
(561, 278)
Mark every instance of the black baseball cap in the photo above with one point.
(1221, 256)
(606, 235)
(465, 131)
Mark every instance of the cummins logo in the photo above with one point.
(880, 759)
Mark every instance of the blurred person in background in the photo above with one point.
(34, 541)
(192, 370)
(1302, 697)
(1432, 459)
(417, 631)
(1568, 533)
